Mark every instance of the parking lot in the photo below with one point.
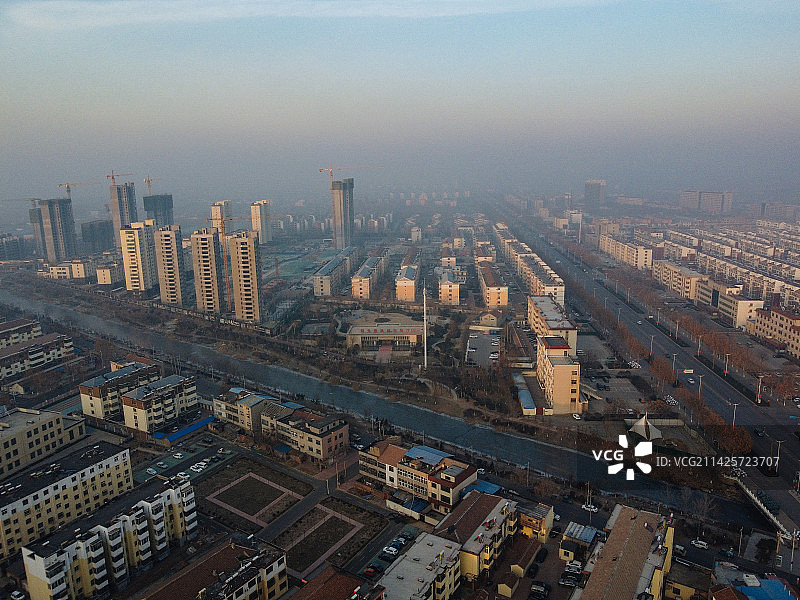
(180, 459)
(481, 346)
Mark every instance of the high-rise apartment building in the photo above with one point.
(97, 236)
(245, 259)
(259, 213)
(595, 192)
(139, 257)
(707, 203)
(123, 208)
(342, 201)
(220, 211)
(159, 208)
(208, 270)
(169, 264)
(58, 229)
(35, 216)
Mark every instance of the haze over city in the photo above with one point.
(246, 100)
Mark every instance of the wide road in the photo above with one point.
(773, 421)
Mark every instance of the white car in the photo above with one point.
(473, 335)
(576, 416)
(556, 517)
(703, 545)
(182, 475)
(151, 471)
(196, 469)
(589, 507)
(494, 355)
(495, 343)
(690, 380)
(391, 550)
(178, 455)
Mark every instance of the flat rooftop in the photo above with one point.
(37, 341)
(475, 520)
(104, 516)
(18, 419)
(149, 388)
(41, 476)
(112, 375)
(9, 326)
(418, 567)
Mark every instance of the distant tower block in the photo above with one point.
(595, 192)
(342, 202)
(259, 213)
(123, 208)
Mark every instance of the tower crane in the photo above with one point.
(222, 220)
(113, 176)
(331, 169)
(31, 200)
(148, 180)
(71, 183)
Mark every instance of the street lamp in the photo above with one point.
(699, 339)
(778, 457)
(676, 327)
(758, 394)
(700, 388)
(651, 345)
(734, 405)
(658, 317)
(618, 311)
(727, 355)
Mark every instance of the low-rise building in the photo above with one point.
(38, 502)
(150, 407)
(449, 289)
(576, 541)
(635, 559)
(242, 408)
(559, 375)
(98, 555)
(374, 330)
(481, 524)
(429, 474)
(635, 255)
(333, 584)
(101, 396)
(429, 570)
(406, 283)
(28, 436)
(110, 274)
(34, 354)
(205, 577)
(536, 522)
(18, 331)
(314, 435)
(547, 318)
(684, 581)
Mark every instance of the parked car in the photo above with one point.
(161, 465)
(727, 552)
(17, 595)
(702, 544)
(182, 475)
(150, 471)
(541, 556)
(370, 571)
(391, 550)
(533, 570)
(589, 507)
(576, 416)
(568, 582)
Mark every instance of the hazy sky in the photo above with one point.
(247, 99)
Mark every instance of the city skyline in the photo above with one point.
(244, 99)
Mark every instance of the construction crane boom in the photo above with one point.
(148, 180)
(31, 200)
(69, 185)
(113, 176)
(331, 169)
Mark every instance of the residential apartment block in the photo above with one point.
(329, 277)
(779, 326)
(317, 436)
(148, 408)
(18, 331)
(28, 436)
(635, 255)
(480, 524)
(139, 256)
(678, 279)
(169, 264)
(635, 559)
(364, 282)
(245, 261)
(406, 283)
(427, 473)
(242, 408)
(234, 570)
(559, 375)
(37, 503)
(493, 289)
(97, 556)
(547, 318)
(449, 289)
(34, 354)
(209, 270)
(101, 396)
(429, 570)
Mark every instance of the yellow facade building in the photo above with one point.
(559, 375)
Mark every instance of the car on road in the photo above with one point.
(690, 380)
(473, 335)
(494, 355)
(702, 544)
(161, 465)
(178, 455)
(589, 507)
(760, 432)
(638, 322)
(495, 343)
(576, 416)
(151, 471)
(556, 517)
(17, 595)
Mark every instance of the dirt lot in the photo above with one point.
(250, 495)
